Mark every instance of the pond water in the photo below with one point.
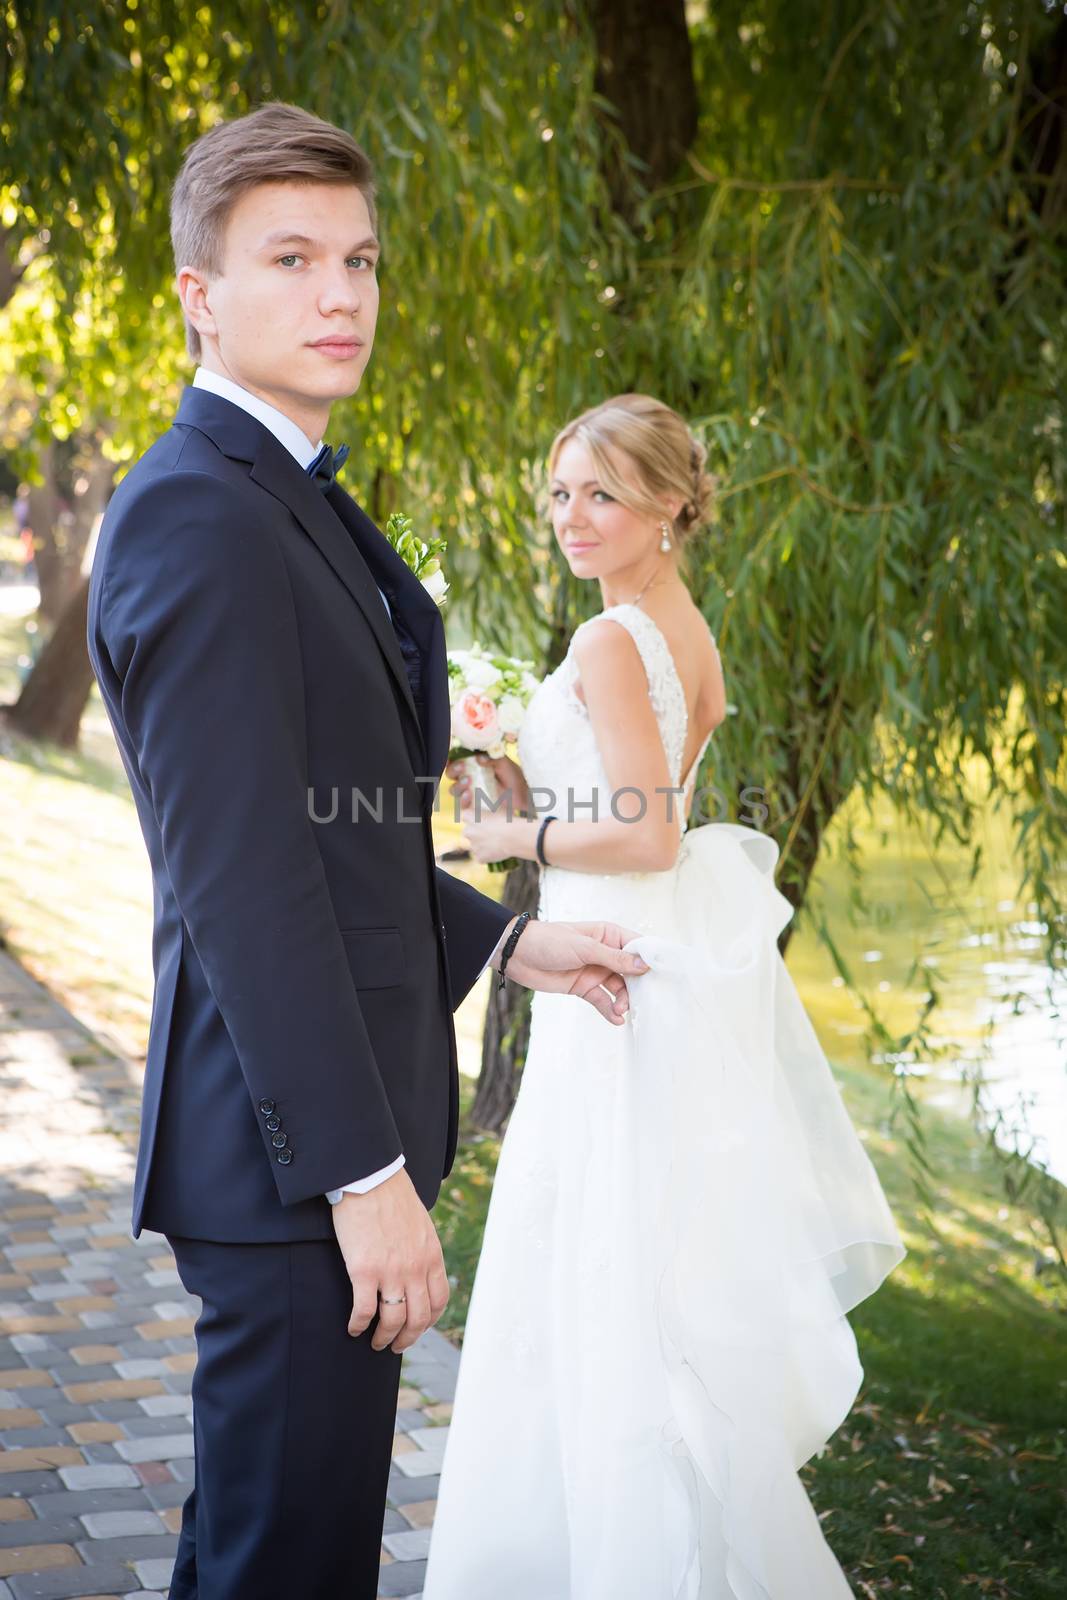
(1000, 1016)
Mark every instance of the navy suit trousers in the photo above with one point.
(292, 1423)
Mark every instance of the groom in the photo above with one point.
(261, 651)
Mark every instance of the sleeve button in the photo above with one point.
(274, 1122)
(279, 1140)
(284, 1157)
(266, 1106)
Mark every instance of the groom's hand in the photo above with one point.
(580, 958)
(393, 1257)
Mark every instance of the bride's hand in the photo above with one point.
(488, 835)
(508, 774)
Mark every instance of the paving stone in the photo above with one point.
(15, 1510)
(116, 1410)
(152, 1473)
(419, 1513)
(99, 1451)
(403, 1578)
(94, 1432)
(27, 1483)
(411, 1545)
(170, 1329)
(112, 1389)
(22, 1418)
(33, 1558)
(159, 1546)
(164, 1405)
(168, 1447)
(141, 1369)
(119, 1524)
(164, 1278)
(74, 1502)
(108, 1475)
(154, 1572)
(57, 1530)
(75, 1583)
(47, 1456)
(166, 1496)
(403, 1490)
(68, 1372)
(32, 1438)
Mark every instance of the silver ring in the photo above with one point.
(398, 1302)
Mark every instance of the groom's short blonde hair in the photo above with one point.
(277, 143)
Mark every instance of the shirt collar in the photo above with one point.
(283, 428)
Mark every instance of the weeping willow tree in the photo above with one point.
(832, 235)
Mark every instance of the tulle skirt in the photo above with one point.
(682, 1216)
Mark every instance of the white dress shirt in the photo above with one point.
(299, 445)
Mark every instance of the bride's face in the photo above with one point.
(597, 533)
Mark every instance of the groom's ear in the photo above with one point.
(194, 287)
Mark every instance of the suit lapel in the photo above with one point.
(416, 615)
(355, 549)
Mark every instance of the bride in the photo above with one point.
(682, 1213)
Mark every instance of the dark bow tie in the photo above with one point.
(326, 465)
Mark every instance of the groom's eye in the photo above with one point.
(282, 259)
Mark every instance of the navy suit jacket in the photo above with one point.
(284, 741)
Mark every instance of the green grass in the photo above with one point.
(948, 1478)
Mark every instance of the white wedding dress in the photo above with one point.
(682, 1215)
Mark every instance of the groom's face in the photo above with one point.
(292, 314)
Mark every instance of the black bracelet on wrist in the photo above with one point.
(540, 847)
(510, 943)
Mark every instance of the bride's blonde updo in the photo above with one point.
(667, 459)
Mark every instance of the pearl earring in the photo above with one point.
(665, 542)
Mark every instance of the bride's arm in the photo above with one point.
(640, 831)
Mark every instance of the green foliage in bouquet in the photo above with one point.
(423, 556)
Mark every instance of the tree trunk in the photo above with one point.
(56, 692)
(507, 1023)
(61, 532)
(12, 269)
(645, 70)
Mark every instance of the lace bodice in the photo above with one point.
(562, 764)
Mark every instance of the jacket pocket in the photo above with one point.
(375, 956)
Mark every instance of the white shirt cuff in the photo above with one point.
(363, 1185)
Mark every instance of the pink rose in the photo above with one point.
(474, 720)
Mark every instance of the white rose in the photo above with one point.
(510, 712)
(435, 586)
(480, 673)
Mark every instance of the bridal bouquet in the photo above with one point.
(488, 695)
(423, 556)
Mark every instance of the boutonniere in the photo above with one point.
(422, 556)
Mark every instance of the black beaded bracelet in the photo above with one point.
(540, 846)
(510, 943)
